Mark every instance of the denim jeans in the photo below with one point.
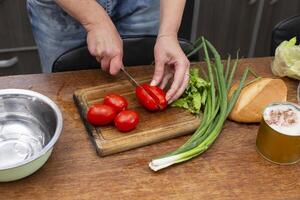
(55, 31)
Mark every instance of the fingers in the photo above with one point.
(165, 80)
(182, 87)
(180, 70)
(110, 60)
(108, 52)
(158, 73)
(105, 63)
(115, 65)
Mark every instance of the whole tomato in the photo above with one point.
(151, 97)
(126, 120)
(116, 101)
(101, 114)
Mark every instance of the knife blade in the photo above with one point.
(130, 78)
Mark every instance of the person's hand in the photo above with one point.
(105, 44)
(170, 62)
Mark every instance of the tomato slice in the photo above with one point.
(145, 99)
(157, 94)
(151, 97)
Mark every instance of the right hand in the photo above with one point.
(105, 43)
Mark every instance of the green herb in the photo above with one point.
(195, 94)
(217, 108)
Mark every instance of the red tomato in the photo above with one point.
(101, 114)
(157, 94)
(116, 101)
(126, 120)
(151, 97)
(145, 99)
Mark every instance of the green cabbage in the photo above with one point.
(287, 59)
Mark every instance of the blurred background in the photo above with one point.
(229, 24)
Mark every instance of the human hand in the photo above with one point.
(170, 62)
(105, 43)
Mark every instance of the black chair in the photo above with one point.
(137, 51)
(285, 30)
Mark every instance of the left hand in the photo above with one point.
(170, 62)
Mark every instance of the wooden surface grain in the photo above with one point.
(153, 127)
(230, 169)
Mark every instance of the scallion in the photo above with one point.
(217, 108)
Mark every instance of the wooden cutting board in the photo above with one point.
(152, 128)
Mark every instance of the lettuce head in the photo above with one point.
(287, 59)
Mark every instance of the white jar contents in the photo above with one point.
(284, 118)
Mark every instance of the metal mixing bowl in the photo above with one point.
(30, 124)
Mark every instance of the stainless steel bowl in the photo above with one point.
(30, 124)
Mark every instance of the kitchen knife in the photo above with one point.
(130, 78)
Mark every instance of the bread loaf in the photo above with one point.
(255, 97)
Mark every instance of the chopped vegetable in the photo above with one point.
(195, 95)
(217, 108)
(151, 97)
(287, 59)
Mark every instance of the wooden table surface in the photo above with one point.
(230, 169)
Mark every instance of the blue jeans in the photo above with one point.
(55, 31)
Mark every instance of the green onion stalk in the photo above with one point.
(217, 108)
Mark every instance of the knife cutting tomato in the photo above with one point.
(151, 97)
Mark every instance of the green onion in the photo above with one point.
(195, 50)
(230, 78)
(227, 67)
(217, 108)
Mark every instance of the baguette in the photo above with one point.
(255, 97)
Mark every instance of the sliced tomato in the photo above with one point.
(151, 97)
(157, 94)
(145, 99)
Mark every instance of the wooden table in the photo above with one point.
(231, 169)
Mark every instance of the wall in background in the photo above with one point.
(229, 24)
(187, 20)
(18, 53)
(241, 24)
